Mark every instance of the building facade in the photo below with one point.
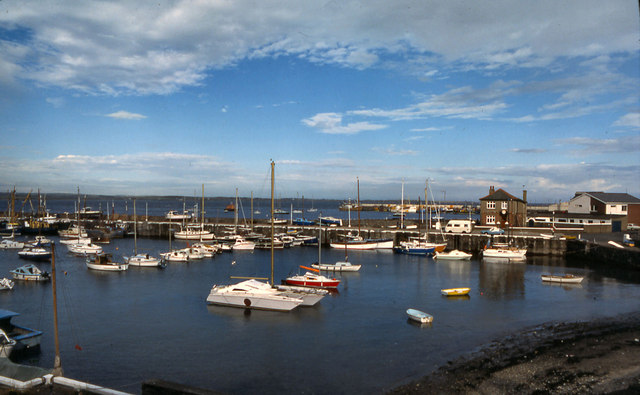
(502, 209)
(603, 203)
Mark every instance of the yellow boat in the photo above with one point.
(455, 291)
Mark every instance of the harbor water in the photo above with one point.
(120, 329)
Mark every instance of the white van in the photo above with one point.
(459, 226)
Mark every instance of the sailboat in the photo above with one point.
(339, 266)
(359, 243)
(254, 294)
(143, 260)
(195, 231)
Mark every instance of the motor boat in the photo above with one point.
(30, 272)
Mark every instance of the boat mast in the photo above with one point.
(135, 229)
(427, 210)
(272, 226)
(252, 211)
(57, 364)
(402, 207)
(202, 211)
(358, 208)
(235, 214)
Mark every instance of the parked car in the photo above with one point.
(633, 227)
(493, 231)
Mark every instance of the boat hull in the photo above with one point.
(419, 316)
(251, 301)
(108, 268)
(566, 279)
(455, 291)
(332, 283)
(365, 245)
(337, 267)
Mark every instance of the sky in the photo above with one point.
(163, 97)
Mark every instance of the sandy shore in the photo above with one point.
(595, 357)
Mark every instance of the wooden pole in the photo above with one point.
(57, 365)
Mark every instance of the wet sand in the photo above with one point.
(596, 357)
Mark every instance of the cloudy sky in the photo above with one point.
(161, 97)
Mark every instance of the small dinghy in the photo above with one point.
(419, 316)
(565, 278)
(455, 291)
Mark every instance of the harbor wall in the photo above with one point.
(473, 243)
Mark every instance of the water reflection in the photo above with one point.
(502, 280)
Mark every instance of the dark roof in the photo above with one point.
(611, 197)
(501, 194)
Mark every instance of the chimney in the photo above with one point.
(524, 195)
(491, 190)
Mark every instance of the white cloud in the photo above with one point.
(631, 120)
(331, 123)
(591, 146)
(126, 115)
(119, 47)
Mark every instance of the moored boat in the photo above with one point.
(35, 254)
(252, 294)
(6, 284)
(419, 316)
(143, 260)
(564, 278)
(340, 266)
(30, 272)
(84, 249)
(504, 251)
(25, 338)
(455, 291)
(104, 262)
(454, 255)
(11, 244)
(313, 280)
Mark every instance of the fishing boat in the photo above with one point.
(25, 338)
(564, 278)
(35, 254)
(455, 291)
(104, 262)
(141, 260)
(454, 255)
(313, 280)
(419, 316)
(30, 272)
(6, 284)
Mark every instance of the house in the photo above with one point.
(502, 209)
(604, 203)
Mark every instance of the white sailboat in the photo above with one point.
(141, 260)
(358, 242)
(254, 294)
(339, 266)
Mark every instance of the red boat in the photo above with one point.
(313, 280)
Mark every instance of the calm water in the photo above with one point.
(150, 323)
(214, 208)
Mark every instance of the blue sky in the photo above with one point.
(160, 98)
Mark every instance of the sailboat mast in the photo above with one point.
(235, 214)
(135, 229)
(272, 226)
(202, 210)
(358, 208)
(427, 210)
(402, 206)
(57, 364)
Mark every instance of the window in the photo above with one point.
(624, 207)
(490, 219)
(491, 205)
(505, 205)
